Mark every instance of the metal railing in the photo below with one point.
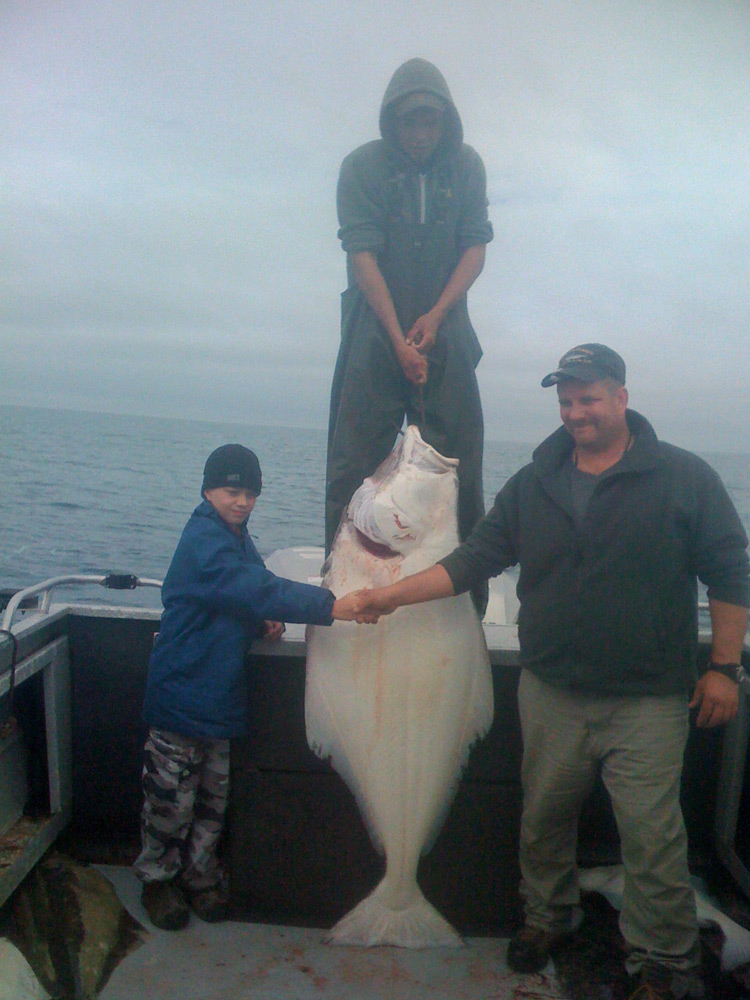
(110, 581)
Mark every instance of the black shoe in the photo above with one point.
(657, 982)
(530, 949)
(654, 982)
(165, 905)
(211, 905)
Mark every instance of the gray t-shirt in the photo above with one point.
(580, 487)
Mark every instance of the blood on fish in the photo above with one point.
(396, 706)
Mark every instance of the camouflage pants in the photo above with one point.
(185, 788)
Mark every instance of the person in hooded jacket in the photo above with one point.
(412, 210)
(218, 597)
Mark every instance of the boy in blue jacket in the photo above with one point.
(218, 597)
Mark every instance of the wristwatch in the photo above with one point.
(734, 671)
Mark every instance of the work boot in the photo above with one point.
(530, 949)
(211, 904)
(165, 905)
(652, 987)
(660, 982)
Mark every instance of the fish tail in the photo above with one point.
(373, 922)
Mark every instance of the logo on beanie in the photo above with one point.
(233, 478)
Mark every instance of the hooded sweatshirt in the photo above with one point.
(418, 220)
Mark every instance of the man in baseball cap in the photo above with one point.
(610, 528)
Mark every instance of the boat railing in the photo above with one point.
(29, 837)
(110, 581)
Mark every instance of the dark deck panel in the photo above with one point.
(297, 847)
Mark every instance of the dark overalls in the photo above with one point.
(370, 394)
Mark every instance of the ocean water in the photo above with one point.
(89, 493)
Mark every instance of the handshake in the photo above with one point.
(367, 605)
(363, 606)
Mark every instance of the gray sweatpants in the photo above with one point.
(639, 744)
(185, 789)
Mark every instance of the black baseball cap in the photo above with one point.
(587, 363)
(232, 465)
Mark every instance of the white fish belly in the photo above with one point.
(396, 707)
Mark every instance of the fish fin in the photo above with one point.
(477, 724)
(341, 764)
(445, 808)
(326, 740)
(373, 922)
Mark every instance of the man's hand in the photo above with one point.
(424, 333)
(413, 364)
(352, 608)
(367, 606)
(378, 601)
(718, 697)
(375, 290)
(272, 631)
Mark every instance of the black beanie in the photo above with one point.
(232, 465)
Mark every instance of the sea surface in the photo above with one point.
(92, 493)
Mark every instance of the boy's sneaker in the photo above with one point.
(165, 905)
(211, 905)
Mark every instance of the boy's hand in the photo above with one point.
(351, 608)
(272, 631)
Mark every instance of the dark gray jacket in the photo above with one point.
(417, 220)
(610, 607)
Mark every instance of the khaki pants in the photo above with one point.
(639, 744)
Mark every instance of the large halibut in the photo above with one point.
(396, 706)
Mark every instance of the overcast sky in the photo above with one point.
(168, 238)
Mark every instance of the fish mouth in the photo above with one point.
(378, 549)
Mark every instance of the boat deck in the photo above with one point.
(244, 961)
(297, 850)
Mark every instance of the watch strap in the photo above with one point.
(734, 671)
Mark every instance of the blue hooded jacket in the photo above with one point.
(217, 593)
